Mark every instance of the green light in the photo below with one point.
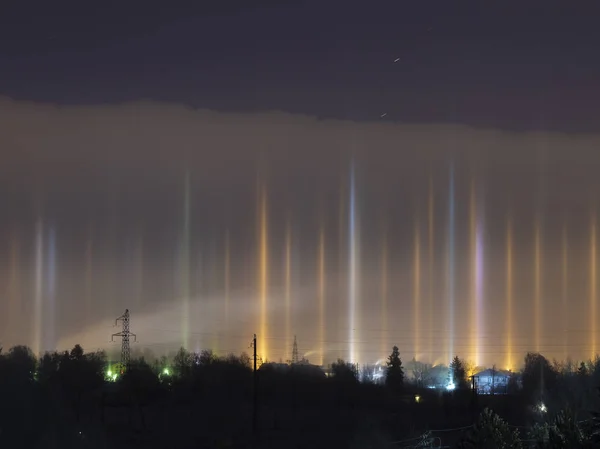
(166, 371)
(109, 373)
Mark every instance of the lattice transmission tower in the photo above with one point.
(124, 334)
(295, 358)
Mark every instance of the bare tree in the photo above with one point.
(421, 372)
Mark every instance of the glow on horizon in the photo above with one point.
(39, 279)
(417, 288)
(89, 260)
(263, 273)
(13, 286)
(474, 337)
(50, 309)
(342, 262)
(185, 265)
(384, 294)
(353, 268)
(430, 273)
(322, 287)
(226, 276)
(479, 286)
(537, 295)
(139, 270)
(288, 285)
(565, 286)
(509, 296)
(476, 238)
(451, 267)
(593, 285)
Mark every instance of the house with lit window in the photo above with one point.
(492, 381)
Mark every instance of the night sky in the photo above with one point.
(428, 175)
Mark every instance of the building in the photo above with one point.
(491, 381)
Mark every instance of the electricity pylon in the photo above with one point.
(124, 334)
(295, 358)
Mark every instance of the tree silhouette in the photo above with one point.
(513, 385)
(595, 425)
(538, 376)
(140, 385)
(344, 371)
(20, 364)
(207, 357)
(566, 431)
(563, 432)
(394, 375)
(491, 432)
(582, 370)
(45, 405)
(48, 368)
(19, 398)
(458, 372)
(183, 363)
(79, 374)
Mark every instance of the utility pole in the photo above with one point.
(474, 395)
(255, 393)
(295, 358)
(124, 334)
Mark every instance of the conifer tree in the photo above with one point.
(394, 376)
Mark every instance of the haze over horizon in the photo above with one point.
(97, 224)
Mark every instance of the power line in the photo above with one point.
(519, 349)
(335, 346)
(483, 336)
(398, 340)
(368, 354)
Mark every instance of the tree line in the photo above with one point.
(73, 398)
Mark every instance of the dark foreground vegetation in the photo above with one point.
(78, 400)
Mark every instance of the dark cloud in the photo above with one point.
(510, 65)
(35, 26)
